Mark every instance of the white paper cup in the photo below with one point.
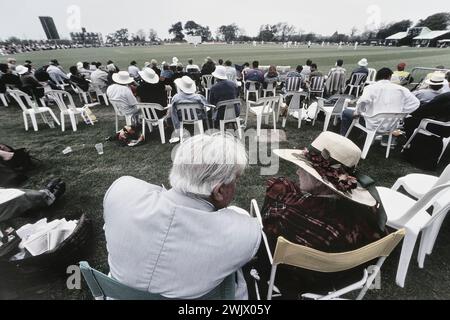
(99, 148)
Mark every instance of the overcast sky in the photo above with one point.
(20, 17)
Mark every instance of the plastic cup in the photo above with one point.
(67, 150)
(99, 148)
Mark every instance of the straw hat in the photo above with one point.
(220, 73)
(22, 70)
(123, 77)
(342, 151)
(149, 76)
(186, 84)
(363, 63)
(437, 79)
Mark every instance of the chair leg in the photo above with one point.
(25, 121)
(368, 144)
(350, 129)
(258, 125)
(222, 127)
(271, 282)
(161, 131)
(405, 257)
(63, 124)
(3, 99)
(73, 121)
(274, 121)
(117, 123)
(444, 148)
(181, 132)
(54, 117)
(388, 150)
(239, 129)
(431, 239)
(34, 121)
(200, 127)
(327, 121)
(143, 128)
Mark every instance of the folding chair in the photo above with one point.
(150, 117)
(299, 256)
(230, 115)
(404, 212)
(422, 129)
(264, 107)
(387, 124)
(357, 82)
(32, 109)
(106, 288)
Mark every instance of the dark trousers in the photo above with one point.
(31, 199)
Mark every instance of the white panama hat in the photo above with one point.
(22, 70)
(436, 79)
(220, 73)
(149, 75)
(122, 77)
(186, 84)
(363, 62)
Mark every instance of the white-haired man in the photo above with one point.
(183, 242)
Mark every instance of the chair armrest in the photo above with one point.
(425, 122)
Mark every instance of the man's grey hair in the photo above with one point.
(204, 162)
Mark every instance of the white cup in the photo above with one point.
(67, 150)
(99, 148)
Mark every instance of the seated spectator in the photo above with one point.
(401, 76)
(29, 65)
(188, 236)
(133, 70)
(254, 74)
(271, 76)
(56, 73)
(15, 203)
(208, 67)
(223, 90)
(220, 62)
(8, 78)
(186, 93)
(93, 66)
(78, 79)
(30, 85)
(120, 91)
(111, 69)
(167, 73)
(191, 67)
(179, 73)
(336, 78)
(231, 71)
(435, 88)
(152, 90)
(315, 71)
(110, 65)
(297, 73)
(85, 71)
(331, 215)
(12, 62)
(362, 67)
(99, 78)
(380, 97)
(154, 66)
(306, 71)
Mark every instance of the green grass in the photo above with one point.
(89, 175)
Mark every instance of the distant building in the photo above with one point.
(49, 28)
(87, 38)
(418, 36)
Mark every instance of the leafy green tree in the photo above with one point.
(177, 31)
(438, 21)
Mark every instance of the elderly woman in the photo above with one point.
(183, 242)
(329, 210)
(271, 76)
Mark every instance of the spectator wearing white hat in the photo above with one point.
(362, 67)
(435, 88)
(120, 91)
(152, 90)
(186, 93)
(30, 85)
(222, 90)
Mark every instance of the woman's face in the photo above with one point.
(310, 184)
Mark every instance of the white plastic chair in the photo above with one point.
(317, 87)
(84, 96)
(230, 115)
(116, 105)
(150, 117)
(404, 212)
(271, 88)
(372, 76)
(3, 99)
(32, 109)
(70, 110)
(310, 259)
(422, 129)
(99, 93)
(190, 116)
(331, 111)
(208, 82)
(253, 87)
(296, 107)
(264, 107)
(357, 81)
(388, 123)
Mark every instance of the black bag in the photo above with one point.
(424, 152)
(12, 172)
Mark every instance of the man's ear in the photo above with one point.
(217, 193)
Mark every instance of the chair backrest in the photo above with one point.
(293, 84)
(118, 107)
(149, 111)
(372, 75)
(18, 95)
(317, 84)
(444, 177)
(336, 82)
(268, 104)
(296, 99)
(387, 121)
(230, 108)
(252, 85)
(271, 85)
(103, 287)
(426, 201)
(208, 81)
(59, 97)
(283, 69)
(190, 111)
(358, 79)
(307, 258)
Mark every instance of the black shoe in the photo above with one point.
(57, 187)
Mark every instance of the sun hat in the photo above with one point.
(122, 77)
(186, 84)
(22, 69)
(220, 73)
(149, 75)
(363, 62)
(437, 78)
(338, 154)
